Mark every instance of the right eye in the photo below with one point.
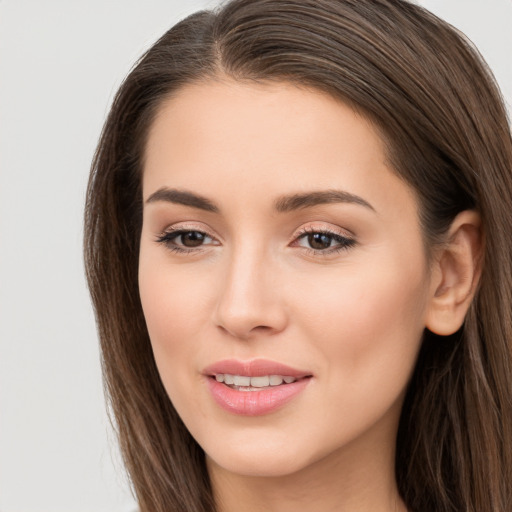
(185, 240)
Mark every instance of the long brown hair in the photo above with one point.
(447, 135)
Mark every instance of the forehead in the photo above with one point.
(256, 109)
(267, 138)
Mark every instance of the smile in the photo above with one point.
(255, 387)
(246, 383)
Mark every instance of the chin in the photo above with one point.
(262, 465)
(276, 455)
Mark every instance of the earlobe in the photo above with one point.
(455, 274)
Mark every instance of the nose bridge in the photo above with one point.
(247, 301)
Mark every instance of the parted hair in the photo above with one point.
(446, 132)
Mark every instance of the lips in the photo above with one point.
(255, 387)
(263, 381)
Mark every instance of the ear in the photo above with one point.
(455, 274)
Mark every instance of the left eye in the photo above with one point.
(323, 241)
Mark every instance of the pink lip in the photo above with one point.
(253, 368)
(254, 403)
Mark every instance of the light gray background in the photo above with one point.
(60, 63)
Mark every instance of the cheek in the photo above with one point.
(364, 330)
(367, 325)
(174, 305)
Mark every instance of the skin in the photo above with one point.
(254, 287)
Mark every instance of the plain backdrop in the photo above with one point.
(60, 64)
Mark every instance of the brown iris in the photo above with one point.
(192, 238)
(319, 240)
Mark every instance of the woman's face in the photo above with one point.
(282, 276)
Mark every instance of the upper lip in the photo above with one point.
(253, 368)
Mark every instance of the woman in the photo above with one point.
(297, 244)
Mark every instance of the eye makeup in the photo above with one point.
(322, 241)
(316, 241)
(185, 240)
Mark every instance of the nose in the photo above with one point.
(250, 301)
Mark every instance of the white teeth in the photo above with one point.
(260, 382)
(241, 381)
(255, 382)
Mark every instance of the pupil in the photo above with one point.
(319, 240)
(192, 238)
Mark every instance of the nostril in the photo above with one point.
(245, 333)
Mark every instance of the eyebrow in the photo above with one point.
(183, 197)
(282, 204)
(309, 199)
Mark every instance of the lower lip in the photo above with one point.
(255, 403)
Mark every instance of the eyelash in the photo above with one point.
(167, 238)
(344, 243)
